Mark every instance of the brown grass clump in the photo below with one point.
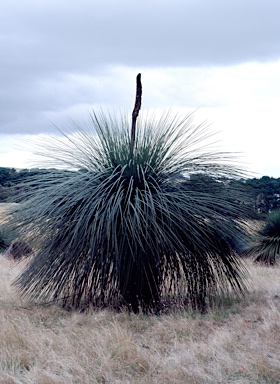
(237, 342)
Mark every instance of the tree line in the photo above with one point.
(265, 191)
(13, 183)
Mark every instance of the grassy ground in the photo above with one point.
(238, 342)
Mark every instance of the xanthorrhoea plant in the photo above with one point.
(5, 237)
(266, 246)
(3, 242)
(126, 230)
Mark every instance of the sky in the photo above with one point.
(61, 59)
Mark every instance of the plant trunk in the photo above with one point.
(139, 285)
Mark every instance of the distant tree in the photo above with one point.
(267, 193)
(7, 175)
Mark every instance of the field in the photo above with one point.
(236, 342)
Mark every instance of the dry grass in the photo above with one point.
(238, 342)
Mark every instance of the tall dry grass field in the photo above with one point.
(237, 342)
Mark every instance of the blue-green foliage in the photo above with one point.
(266, 246)
(128, 228)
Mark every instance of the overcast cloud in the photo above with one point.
(62, 58)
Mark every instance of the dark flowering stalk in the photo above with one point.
(135, 112)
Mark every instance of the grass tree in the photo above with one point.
(125, 227)
(266, 245)
(3, 241)
(5, 237)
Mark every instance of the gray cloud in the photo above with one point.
(58, 54)
(53, 36)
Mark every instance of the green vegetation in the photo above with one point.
(6, 235)
(266, 247)
(130, 229)
(3, 241)
(265, 191)
(15, 185)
